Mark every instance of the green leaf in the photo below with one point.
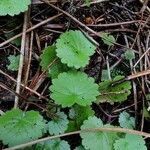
(126, 121)
(116, 72)
(87, 2)
(130, 142)
(49, 57)
(73, 87)
(53, 145)
(77, 119)
(80, 148)
(58, 125)
(56, 69)
(17, 127)
(116, 93)
(13, 7)
(129, 54)
(14, 62)
(86, 112)
(108, 39)
(97, 140)
(72, 126)
(74, 49)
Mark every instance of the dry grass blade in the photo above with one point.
(22, 51)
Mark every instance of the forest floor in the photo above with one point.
(127, 23)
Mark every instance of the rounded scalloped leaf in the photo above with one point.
(58, 145)
(126, 121)
(49, 56)
(58, 125)
(55, 144)
(130, 142)
(86, 112)
(74, 49)
(73, 87)
(17, 127)
(97, 140)
(13, 7)
(14, 62)
(129, 54)
(108, 39)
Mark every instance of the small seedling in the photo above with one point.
(129, 54)
(108, 39)
(59, 124)
(97, 140)
(13, 62)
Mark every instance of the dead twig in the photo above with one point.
(27, 88)
(22, 51)
(30, 29)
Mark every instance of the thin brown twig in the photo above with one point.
(22, 51)
(39, 80)
(121, 130)
(115, 24)
(11, 91)
(94, 2)
(141, 25)
(80, 23)
(73, 18)
(29, 60)
(27, 88)
(148, 9)
(124, 108)
(141, 57)
(30, 29)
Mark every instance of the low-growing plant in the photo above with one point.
(13, 7)
(59, 124)
(74, 49)
(13, 62)
(126, 121)
(129, 54)
(71, 89)
(107, 38)
(109, 140)
(17, 127)
(57, 144)
(76, 119)
(114, 93)
(130, 142)
(102, 140)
